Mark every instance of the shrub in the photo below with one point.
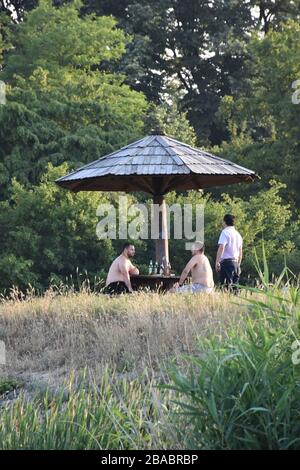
(243, 392)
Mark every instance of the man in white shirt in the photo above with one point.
(230, 253)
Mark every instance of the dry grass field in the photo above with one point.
(49, 336)
(150, 371)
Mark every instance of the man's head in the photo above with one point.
(197, 248)
(128, 250)
(228, 220)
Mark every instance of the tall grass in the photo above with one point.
(243, 392)
(135, 337)
(62, 332)
(233, 384)
(110, 414)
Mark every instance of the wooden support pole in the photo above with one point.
(162, 243)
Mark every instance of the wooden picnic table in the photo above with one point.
(153, 281)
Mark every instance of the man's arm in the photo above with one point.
(240, 260)
(220, 252)
(223, 240)
(133, 269)
(187, 269)
(240, 255)
(124, 267)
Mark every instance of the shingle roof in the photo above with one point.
(155, 160)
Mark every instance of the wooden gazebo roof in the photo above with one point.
(156, 164)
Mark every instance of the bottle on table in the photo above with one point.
(161, 269)
(156, 268)
(168, 269)
(150, 268)
(164, 265)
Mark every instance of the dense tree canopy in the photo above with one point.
(263, 120)
(47, 232)
(86, 77)
(200, 44)
(61, 105)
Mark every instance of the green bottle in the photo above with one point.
(150, 268)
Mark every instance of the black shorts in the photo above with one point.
(116, 288)
(229, 273)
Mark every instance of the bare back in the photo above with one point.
(202, 271)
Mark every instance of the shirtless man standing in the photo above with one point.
(202, 275)
(118, 277)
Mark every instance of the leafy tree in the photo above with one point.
(4, 43)
(61, 105)
(263, 121)
(203, 45)
(46, 231)
(263, 216)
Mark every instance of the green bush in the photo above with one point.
(243, 391)
(8, 385)
(47, 232)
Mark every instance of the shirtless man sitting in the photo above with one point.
(202, 275)
(118, 277)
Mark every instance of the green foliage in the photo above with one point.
(242, 391)
(62, 104)
(47, 231)
(113, 414)
(8, 385)
(262, 119)
(53, 38)
(168, 118)
(263, 216)
(4, 40)
(202, 46)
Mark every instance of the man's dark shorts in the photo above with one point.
(116, 288)
(229, 273)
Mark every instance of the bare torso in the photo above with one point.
(202, 272)
(116, 273)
